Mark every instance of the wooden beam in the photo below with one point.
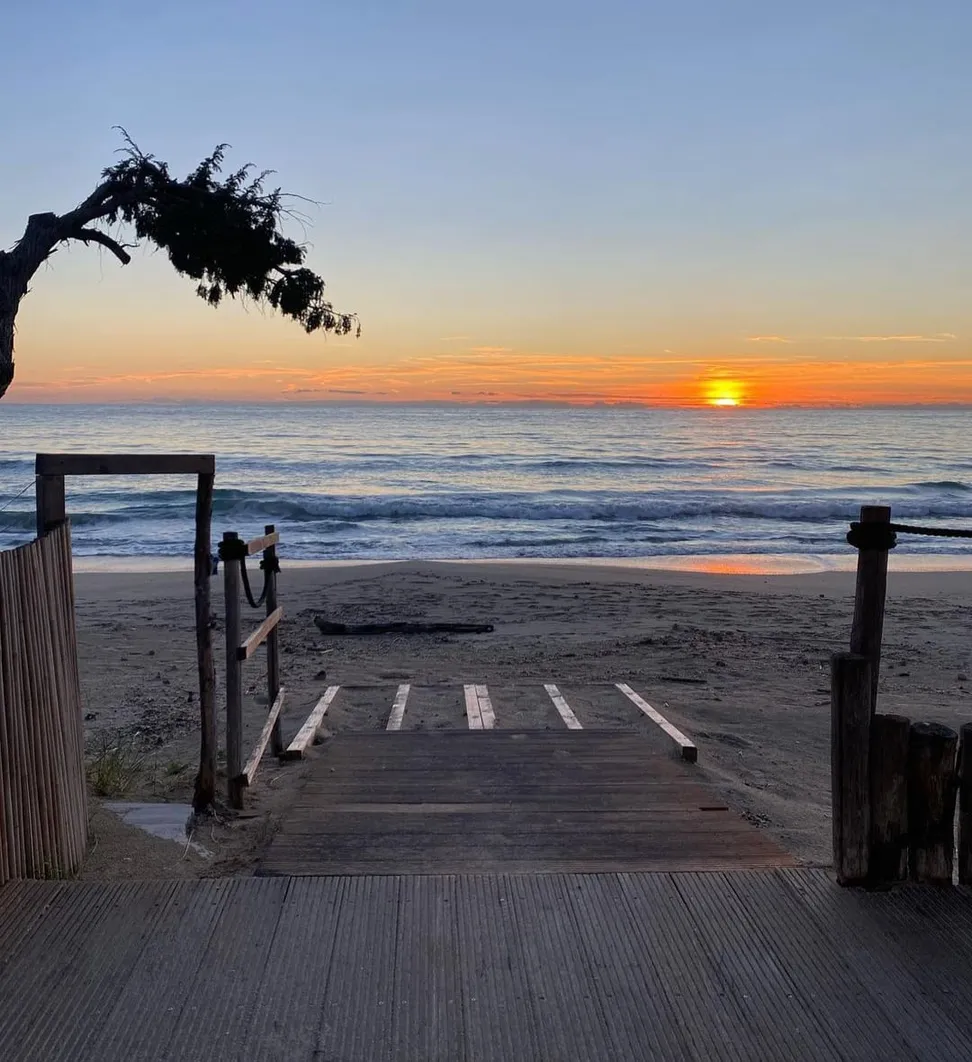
(259, 636)
(249, 771)
(398, 708)
(258, 545)
(307, 733)
(685, 749)
(125, 464)
(932, 784)
(49, 491)
(888, 860)
(204, 792)
(485, 708)
(573, 723)
(234, 676)
(850, 756)
(473, 714)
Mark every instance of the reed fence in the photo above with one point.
(43, 803)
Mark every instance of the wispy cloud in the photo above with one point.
(768, 339)
(937, 337)
(490, 350)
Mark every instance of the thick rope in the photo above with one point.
(885, 536)
(266, 569)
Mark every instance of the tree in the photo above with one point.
(226, 234)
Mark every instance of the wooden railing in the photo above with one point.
(43, 804)
(233, 552)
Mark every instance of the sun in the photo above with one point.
(724, 392)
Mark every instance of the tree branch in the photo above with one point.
(94, 236)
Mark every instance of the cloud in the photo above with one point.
(491, 350)
(937, 337)
(451, 339)
(768, 339)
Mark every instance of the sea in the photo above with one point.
(724, 489)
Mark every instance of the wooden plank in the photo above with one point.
(398, 708)
(125, 464)
(473, 712)
(485, 708)
(850, 748)
(49, 492)
(204, 790)
(249, 771)
(234, 676)
(566, 713)
(684, 747)
(932, 751)
(259, 636)
(888, 861)
(258, 545)
(305, 736)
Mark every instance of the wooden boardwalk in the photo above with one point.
(517, 801)
(743, 966)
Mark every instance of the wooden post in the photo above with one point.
(273, 641)
(965, 806)
(204, 794)
(50, 503)
(850, 714)
(234, 675)
(888, 859)
(869, 598)
(932, 783)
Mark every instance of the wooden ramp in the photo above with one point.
(515, 801)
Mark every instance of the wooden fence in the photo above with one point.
(43, 804)
(894, 781)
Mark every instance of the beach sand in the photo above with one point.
(740, 663)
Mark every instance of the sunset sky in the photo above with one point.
(689, 202)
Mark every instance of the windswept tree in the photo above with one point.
(225, 233)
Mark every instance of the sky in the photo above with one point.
(678, 203)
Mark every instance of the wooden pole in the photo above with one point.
(273, 642)
(850, 714)
(50, 503)
(965, 806)
(932, 783)
(869, 598)
(234, 676)
(888, 859)
(205, 788)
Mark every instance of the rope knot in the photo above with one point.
(872, 536)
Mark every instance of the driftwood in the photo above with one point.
(326, 627)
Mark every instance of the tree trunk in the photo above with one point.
(9, 304)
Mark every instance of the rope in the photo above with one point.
(885, 536)
(266, 569)
(9, 502)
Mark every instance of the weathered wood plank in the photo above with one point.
(685, 748)
(889, 799)
(249, 771)
(486, 712)
(932, 784)
(305, 736)
(473, 712)
(124, 464)
(398, 708)
(259, 544)
(260, 635)
(850, 746)
(869, 599)
(566, 713)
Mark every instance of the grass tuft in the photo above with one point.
(115, 767)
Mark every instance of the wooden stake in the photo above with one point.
(965, 806)
(234, 677)
(850, 715)
(205, 788)
(932, 784)
(869, 598)
(273, 642)
(888, 862)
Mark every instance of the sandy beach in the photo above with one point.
(738, 662)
